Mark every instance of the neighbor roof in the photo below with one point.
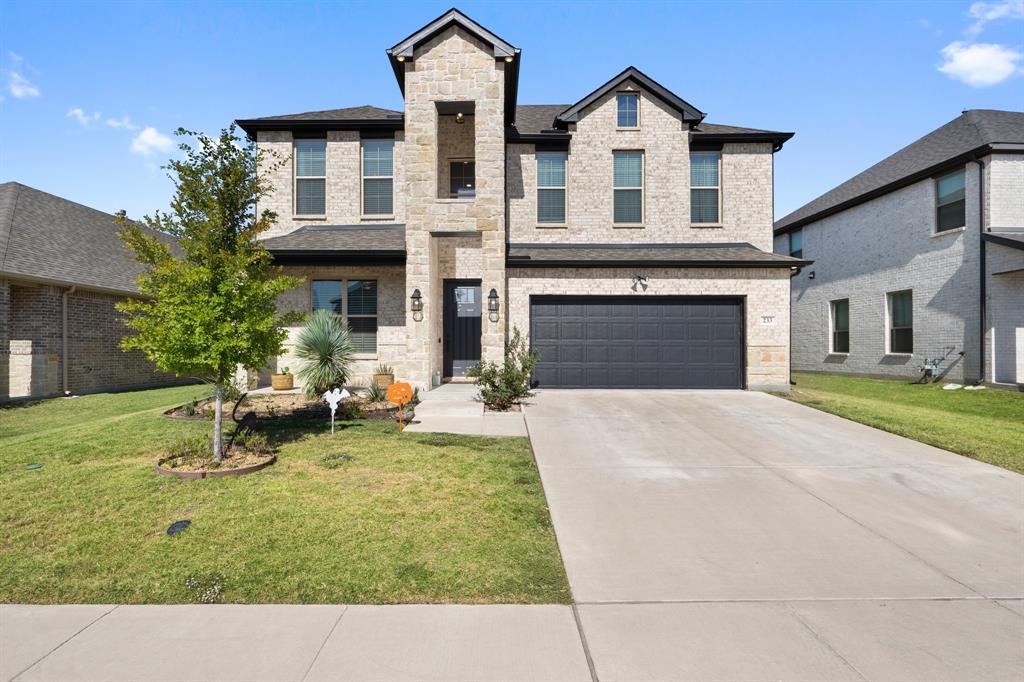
(383, 240)
(690, 113)
(47, 239)
(973, 132)
(739, 254)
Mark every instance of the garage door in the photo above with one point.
(634, 342)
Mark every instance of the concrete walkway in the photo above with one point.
(456, 408)
(735, 535)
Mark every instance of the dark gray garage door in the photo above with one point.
(634, 342)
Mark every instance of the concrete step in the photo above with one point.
(449, 408)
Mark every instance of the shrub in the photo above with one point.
(189, 450)
(503, 386)
(385, 369)
(375, 393)
(325, 346)
(253, 442)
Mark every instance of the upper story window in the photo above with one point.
(796, 243)
(900, 313)
(378, 177)
(705, 188)
(462, 178)
(628, 109)
(628, 171)
(356, 301)
(950, 202)
(551, 187)
(311, 177)
(840, 320)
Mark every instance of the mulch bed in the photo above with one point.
(269, 406)
(237, 462)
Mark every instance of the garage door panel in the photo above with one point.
(638, 342)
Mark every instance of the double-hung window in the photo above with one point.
(356, 301)
(378, 177)
(627, 109)
(840, 320)
(705, 188)
(950, 202)
(900, 306)
(796, 243)
(629, 187)
(462, 179)
(551, 187)
(310, 177)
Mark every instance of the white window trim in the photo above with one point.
(364, 178)
(635, 93)
(642, 188)
(344, 306)
(564, 188)
(832, 326)
(295, 183)
(888, 322)
(935, 210)
(720, 221)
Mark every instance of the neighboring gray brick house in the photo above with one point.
(62, 269)
(919, 257)
(626, 236)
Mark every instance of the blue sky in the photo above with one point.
(92, 91)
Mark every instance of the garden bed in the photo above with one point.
(238, 462)
(274, 405)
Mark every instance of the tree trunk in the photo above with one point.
(217, 401)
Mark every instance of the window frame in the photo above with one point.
(296, 178)
(343, 282)
(642, 187)
(718, 222)
(798, 253)
(454, 161)
(889, 328)
(938, 205)
(629, 93)
(564, 187)
(363, 178)
(832, 327)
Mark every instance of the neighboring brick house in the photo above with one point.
(62, 269)
(629, 239)
(919, 257)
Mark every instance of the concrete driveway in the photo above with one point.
(728, 535)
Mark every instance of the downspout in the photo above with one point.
(64, 339)
(982, 293)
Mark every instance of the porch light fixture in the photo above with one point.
(492, 305)
(460, 117)
(400, 58)
(416, 305)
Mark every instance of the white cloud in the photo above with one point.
(20, 87)
(984, 13)
(124, 122)
(980, 64)
(151, 140)
(83, 118)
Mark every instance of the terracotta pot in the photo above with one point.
(384, 380)
(282, 382)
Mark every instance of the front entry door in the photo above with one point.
(462, 325)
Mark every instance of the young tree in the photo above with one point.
(211, 304)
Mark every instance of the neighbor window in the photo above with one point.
(462, 179)
(628, 104)
(796, 243)
(629, 187)
(551, 187)
(840, 314)
(950, 202)
(310, 177)
(356, 301)
(378, 177)
(705, 188)
(901, 322)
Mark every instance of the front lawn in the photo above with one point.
(364, 516)
(987, 425)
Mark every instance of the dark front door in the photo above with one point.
(462, 325)
(632, 342)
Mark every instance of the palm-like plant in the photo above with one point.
(325, 347)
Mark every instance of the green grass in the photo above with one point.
(986, 425)
(364, 516)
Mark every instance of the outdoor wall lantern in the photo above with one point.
(416, 305)
(492, 305)
(460, 118)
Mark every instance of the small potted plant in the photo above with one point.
(384, 376)
(283, 381)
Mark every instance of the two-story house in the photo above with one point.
(919, 259)
(629, 240)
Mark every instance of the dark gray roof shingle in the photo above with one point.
(368, 239)
(531, 119)
(365, 112)
(46, 238)
(692, 255)
(964, 134)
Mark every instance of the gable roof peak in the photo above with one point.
(404, 48)
(691, 114)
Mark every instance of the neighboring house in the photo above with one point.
(626, 237)
(62, 269)
(920, 257)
